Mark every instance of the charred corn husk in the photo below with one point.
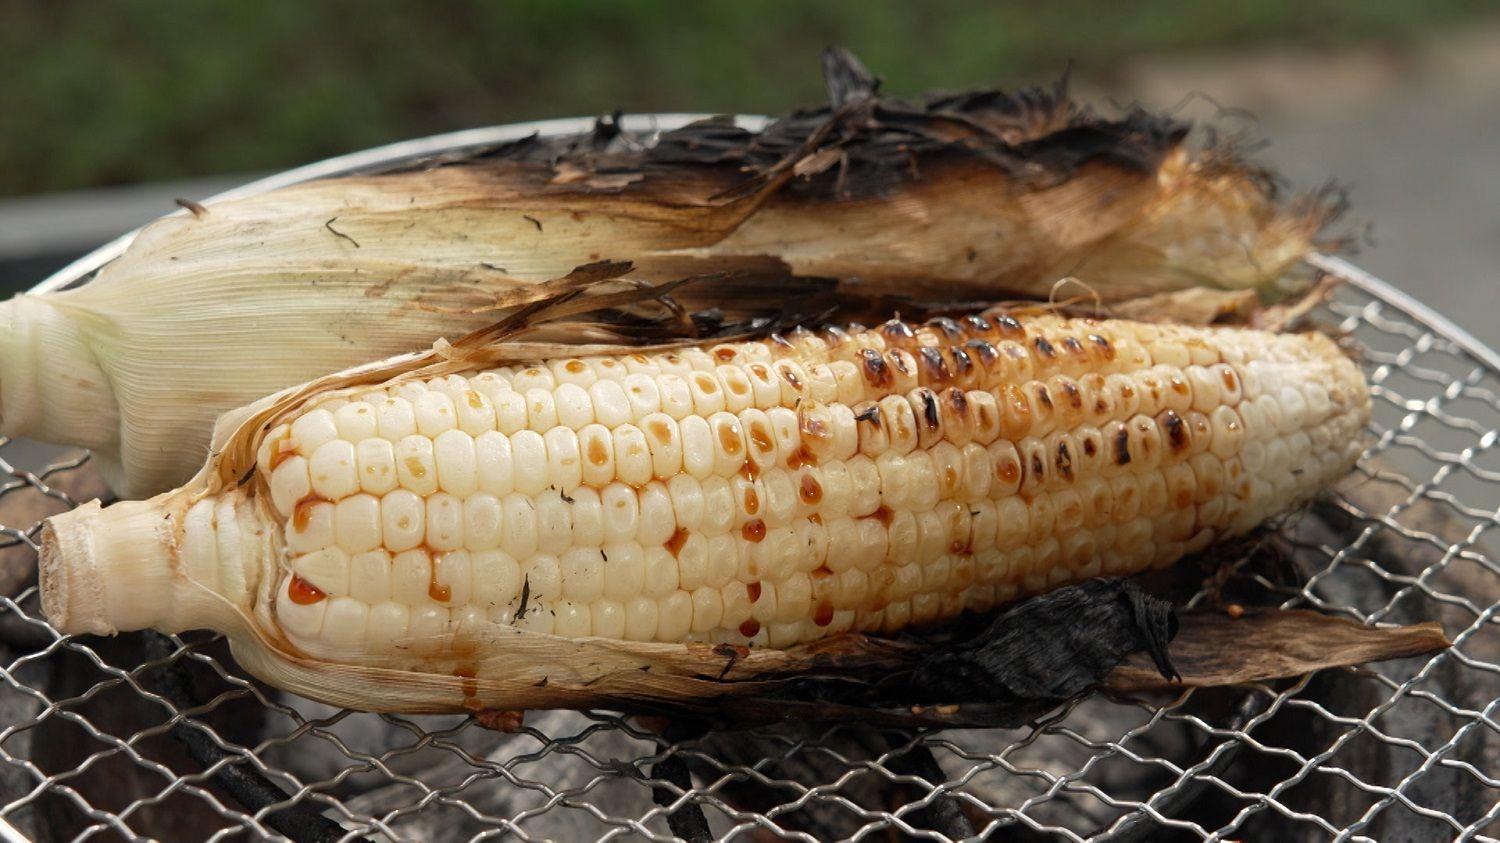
(981, 196)
(548, 521)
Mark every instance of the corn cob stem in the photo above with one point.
(764, 493)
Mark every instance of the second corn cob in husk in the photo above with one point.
(433, 534)
(980, 196)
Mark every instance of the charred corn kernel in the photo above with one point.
(761, 492)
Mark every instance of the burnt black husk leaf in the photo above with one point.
(847, 77)
(1003, 669)
(1050, 647)
(867, 144)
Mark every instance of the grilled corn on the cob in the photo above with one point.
(764, 493)
(775, 491)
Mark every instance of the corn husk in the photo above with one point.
(981, 196)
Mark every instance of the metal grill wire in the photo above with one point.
(1403, 749)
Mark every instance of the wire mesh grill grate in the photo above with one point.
(93, 739)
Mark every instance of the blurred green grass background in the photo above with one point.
(101, 93)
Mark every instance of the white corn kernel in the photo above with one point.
(708, 609)
(481, 521)
(698, 452)
(738, 393)
(1230, 386)
(708, 396)
(675, 616)
(299, 618)
(496, 578)
(541, 409)
(411, 577)
(518, 527)
(657, 522)
(764, 385)
(632, 456)
(612, 406)
(728, 442)
(416, 471)
(1229, 433)
(389, 623)
(644, 395)
(676, 396)
(475, 412)
(582, 572)
(661, 572)
(536, 619)
(356, 523)
(326, 569)
(456, 462)
(621, 513)
(510, 412)
(355, 421)
(311, 526)
(332, 469)
(429, 622)
(687, 501)
(564, 463)
(723, 560)
(640, 619)
(1205, 388)
(345, 623)
(289, 484)
(664, 444)
(529, 454)
(692, 561)
(494, 463)
(587, 511)
(541, 579)
(574, 409)
(554, 522)
(718, 506)
(435, 413)
(312, 429)
(597, 449)
(395, 418)
(370, 577)
(572, 372)
(445, 522)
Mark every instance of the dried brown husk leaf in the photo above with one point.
(521, 669)
(1217, 224)
(1194, 306)
(1214, 648)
